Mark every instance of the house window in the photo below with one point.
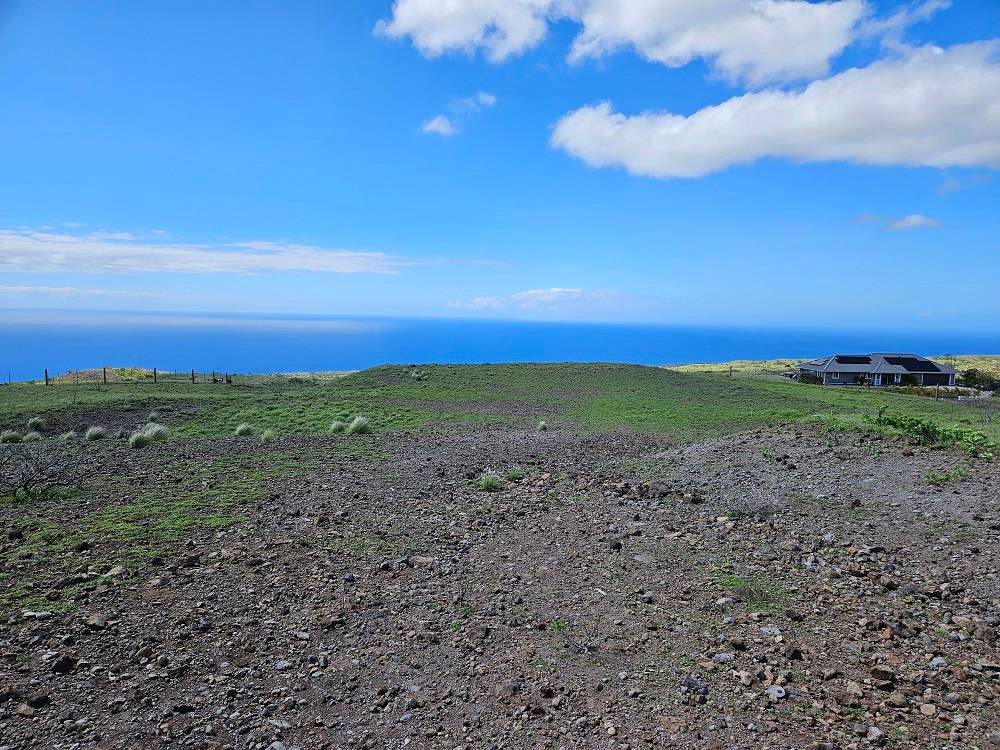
(836, 376)
(898, 378)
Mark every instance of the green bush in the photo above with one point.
(515, 474)
(244, 430)
(338, 426)
(810, 378)
(976, 444)
(11, 436)
(95, 433)
(359, 425)
(36, 424)
(151, 433)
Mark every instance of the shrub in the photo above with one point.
(489, 482)
(543, 426)
(30, 437)
(33, 471)
(95, 433)
(976, 444)
(810, 378)
(244, 430)
(36, 424)
(358, 426)
(338, 426)
(11, 436)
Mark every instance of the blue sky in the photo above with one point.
(439, 159)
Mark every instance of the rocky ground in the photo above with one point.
(783, 588)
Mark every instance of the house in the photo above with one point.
(877, 369)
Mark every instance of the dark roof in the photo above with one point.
(871, 363)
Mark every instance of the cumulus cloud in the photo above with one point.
(45, 252)
(535, 298)
(440, 125)
(751, 40)
(930, 107)
(914, 221)
(756, 42)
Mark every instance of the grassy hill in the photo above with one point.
(684, 404)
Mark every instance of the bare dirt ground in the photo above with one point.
(783, 588)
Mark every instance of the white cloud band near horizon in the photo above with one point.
(928, 107)
(32, 251)
(753, 41)
(535, 298)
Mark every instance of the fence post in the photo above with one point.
(104, 375)
(154, 374)
(46, 376)
(213, 377)
(192, 375)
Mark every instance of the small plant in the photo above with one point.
(754, 504)
(153, 417)
(358, 426)
(95, 433)
(151, 433)
(489, 482)
(30, 437)
(244, 430)
(36, 424)
(67, 436)
(31, 472)
(417, 375)
(543, 426)
(11, 436)
(267, 435)
(938, 478)
(338, 426)
(515, 474)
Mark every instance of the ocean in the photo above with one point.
(32, 340)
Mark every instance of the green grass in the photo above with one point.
(684, 405)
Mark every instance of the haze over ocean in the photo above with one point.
(61, 341)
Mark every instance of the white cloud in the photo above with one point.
(72, 291)
(42, 252)
(500, 27)
(440, 125)
(535, 298)
(752, 40)
(914, 221)
(930, 107)
(756, 41)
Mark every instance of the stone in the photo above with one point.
(928, 709)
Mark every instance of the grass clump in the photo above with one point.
(30, 437)
(975, 443)
(358, 426)
(67, 436)
(489, 482)
(515, 474)
(267, 435)
(95, 433)
(244, 430)
(11, 436)
(758, 593)
(543, 426)
(338, 425)
(36, 424)
(151, 433)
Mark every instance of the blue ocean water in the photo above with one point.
(31, 341)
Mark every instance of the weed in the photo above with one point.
(758, 593)
(67, 436)
(267, 435)
(244, 430)
(151, 433)
(753, 504)
(543, 426)
(338, 426)
(95, 433)
(30, 437)
(514, 474)
(489, 482)
(11, 436)
(36, 424)
(938, 478)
